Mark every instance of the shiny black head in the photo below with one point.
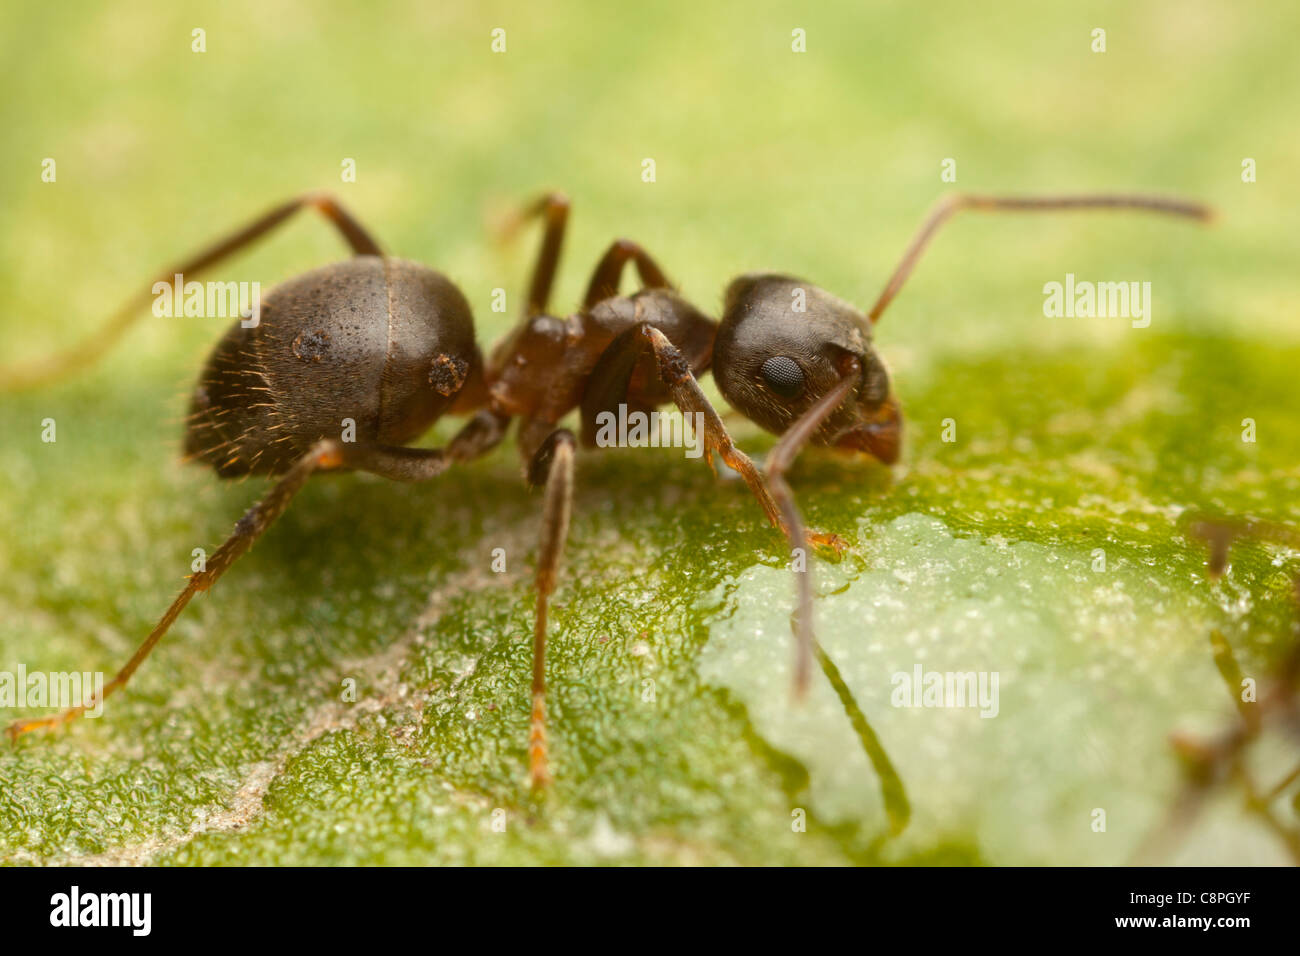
(784, 343)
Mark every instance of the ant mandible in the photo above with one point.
(389, 344)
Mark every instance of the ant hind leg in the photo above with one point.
(399, 463)
(54, 367)
(324, 455)
(553, 209)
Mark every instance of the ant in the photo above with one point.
(389, 344)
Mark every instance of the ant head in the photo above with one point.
(783, 344)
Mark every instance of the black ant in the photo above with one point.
(389, 345)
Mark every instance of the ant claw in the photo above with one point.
(19, 727)
(832, 544)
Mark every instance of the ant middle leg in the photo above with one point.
(61, 364)
(1214, 761)
(1221, 533)
(552, 465)
(609, 271)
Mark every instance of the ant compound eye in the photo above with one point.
(783, 376)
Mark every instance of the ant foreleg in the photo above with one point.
(686, 393)
(551, 466)
(56, 366)
(780, 459)
(772, 492)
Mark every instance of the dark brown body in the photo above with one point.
(760, 321)
(388, 345)
(385, 343)
(545, 369)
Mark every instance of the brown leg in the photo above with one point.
(945, 208)
(553, 467)
(395, 462)
(780, 459)
(675, 372)
(46, 370)
(248, 529)
(609, 271)
(529, 438)
(686, 393)
(479, 435)
(772, 491)
(553, 208)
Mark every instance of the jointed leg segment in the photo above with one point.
(690, 399)
(400, 463)
(780, 459)
(553, 208)
(325, 455)
(609, 271)
(61, 364)
(553, 466)
(772, 491)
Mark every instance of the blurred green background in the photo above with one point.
(232, 744)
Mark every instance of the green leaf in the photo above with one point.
(1046, 544)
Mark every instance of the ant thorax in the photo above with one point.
(541, 371)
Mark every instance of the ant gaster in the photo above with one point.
(389, 344)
